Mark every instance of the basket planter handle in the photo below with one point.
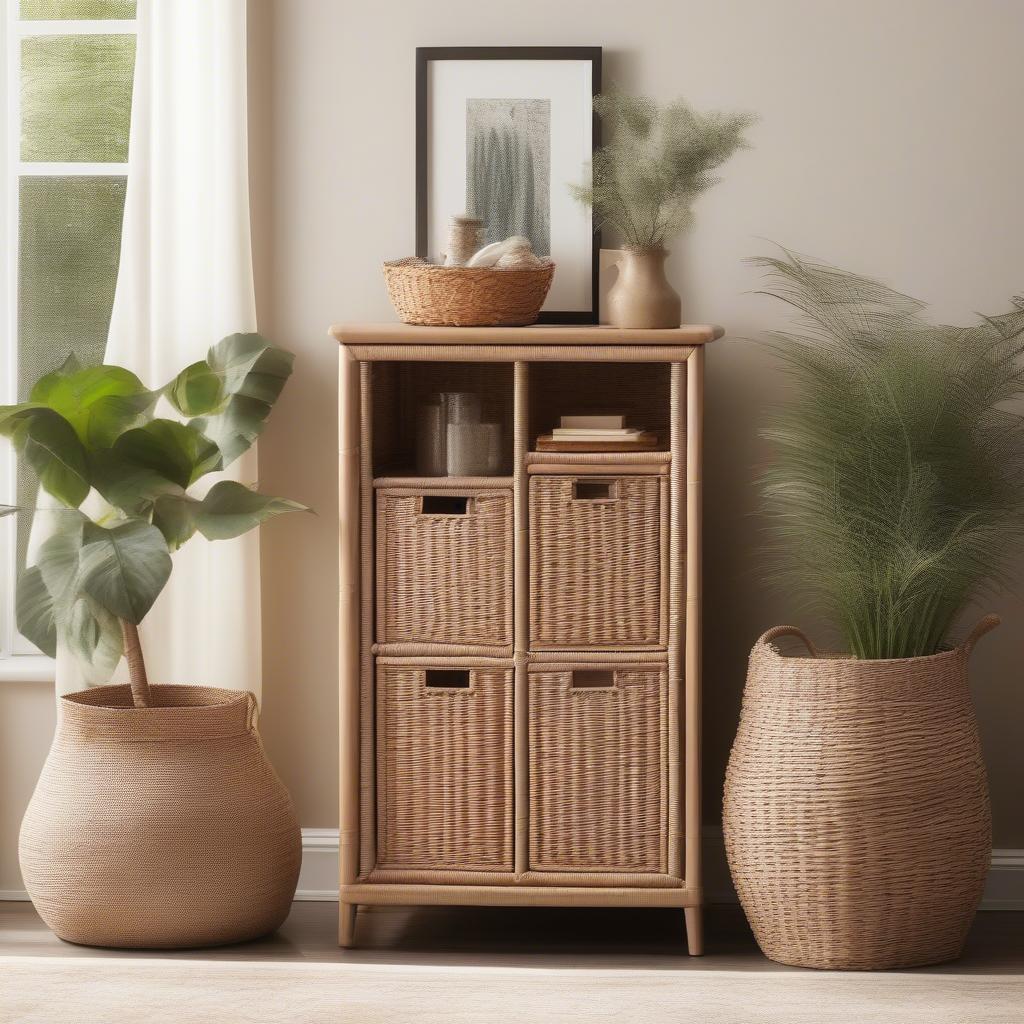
(985, 625)
(775, 632)
(252, 716)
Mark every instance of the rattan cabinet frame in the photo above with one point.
(365, 881)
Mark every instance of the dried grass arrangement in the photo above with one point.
(660, 159)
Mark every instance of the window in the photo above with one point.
(65, 115)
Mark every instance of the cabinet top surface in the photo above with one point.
(537, 334)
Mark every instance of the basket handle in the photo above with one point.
(984, 625)
(252, 717)
(591, 489)
(776, 631)
(449, 505)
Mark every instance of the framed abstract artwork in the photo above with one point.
(501, 133)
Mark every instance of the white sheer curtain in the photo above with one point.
(185, 281)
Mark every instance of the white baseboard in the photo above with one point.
(318, 879)
(1005, 887)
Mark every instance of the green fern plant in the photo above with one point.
(644, 182)
(897, 486)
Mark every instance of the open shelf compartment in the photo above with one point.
(400, 388)
(640, 391)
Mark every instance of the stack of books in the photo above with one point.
(595, 428)
(607, 433)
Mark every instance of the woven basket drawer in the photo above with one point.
(597, 562)
(444, 577)
(598, 767)
(444, 765)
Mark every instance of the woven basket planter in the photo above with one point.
(435, 296)
(163, 826)
(856, 815)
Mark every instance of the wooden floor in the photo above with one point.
(647, 939)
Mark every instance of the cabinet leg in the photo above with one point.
(694, 930)
(346, 924)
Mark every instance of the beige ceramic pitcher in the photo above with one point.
(641, 296)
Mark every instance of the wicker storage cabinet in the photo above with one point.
(520, 653)
(444, 566)
(598, 764)
(597, 562)
(444, 764)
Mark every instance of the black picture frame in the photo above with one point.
(427, 54)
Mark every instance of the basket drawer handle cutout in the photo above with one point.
(447, 678)
(445, 505)
(594, 490)
(593, 679)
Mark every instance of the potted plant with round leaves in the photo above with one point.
(157, 821)
(856, 812)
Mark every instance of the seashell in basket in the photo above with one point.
(435, 296)
(519, 259)
(489, 255)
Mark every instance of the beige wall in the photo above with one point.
(27, 716)
(888, 144)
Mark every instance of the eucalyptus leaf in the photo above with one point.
(51, 447)
(235, 429)
(8, 510)
(127, 485)
(52, 611)
(174, 516)
(14, 416)
(93, 636)
(249, 365)
(197, 390)
(228, 510)
(175, 451)
(124, 568)
(35, 611)
(231, 509)
(58, 559)
(252, 373)
(46, 590)
(100, 402)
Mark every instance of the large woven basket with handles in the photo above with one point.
(856, 817)
(161, 826)
(435, 296)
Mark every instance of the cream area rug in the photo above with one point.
(63, 990)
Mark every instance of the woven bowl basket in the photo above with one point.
(433, 296)
(160, 827)
(856, 815)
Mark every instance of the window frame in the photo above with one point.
(19, 659)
